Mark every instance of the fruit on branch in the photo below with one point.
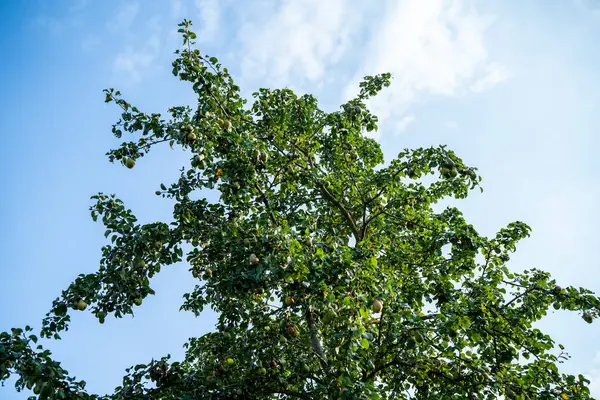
(80, 305)
(377, 306)
(130, 163)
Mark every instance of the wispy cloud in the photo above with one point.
(136, 63)
(297, 41)
(209, 19)
(143, 44)
(404, 122)
(124, 18)
(494, 74)
(435, 47)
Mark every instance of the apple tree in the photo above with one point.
(331, 272)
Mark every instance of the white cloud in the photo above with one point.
(136, 63)
(124, 17)
(210, 15)
(494, 74)
(434, 47)
(297, 41)
(404, 122)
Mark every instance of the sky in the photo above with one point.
(513, 87)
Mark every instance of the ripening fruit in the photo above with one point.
(81, 305)
(377, 306)
(137, 301)
(130, 163)
(253, 259)
(292, 331)
(209, 272)
(191, 137)
(289, 301)
(308, 241)
(273, 364)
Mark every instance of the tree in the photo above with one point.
(333, 276)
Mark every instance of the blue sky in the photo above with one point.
(513, 87)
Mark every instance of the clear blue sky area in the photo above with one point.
(513, 87)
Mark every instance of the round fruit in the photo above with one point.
(130, 163)
(137, 301)
(81, 305)
(329, 316)
(253, 259)
(209, 272)
(556, 305)
(292, 331)
(140, 263)
(273, 364)
(587, 317)
(453, 172)
(289, 301)
(557, 290)
(198, 158)
(448, 163)
(230, 361)
(308, 241)
(261, 371)
(191, 137)
(377, 306)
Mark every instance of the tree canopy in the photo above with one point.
(332, 273)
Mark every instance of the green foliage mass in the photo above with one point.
(332, 275)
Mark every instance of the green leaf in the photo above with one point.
(364, 343)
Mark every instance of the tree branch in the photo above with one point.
(327, 194)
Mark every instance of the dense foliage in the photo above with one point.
(332, 275)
